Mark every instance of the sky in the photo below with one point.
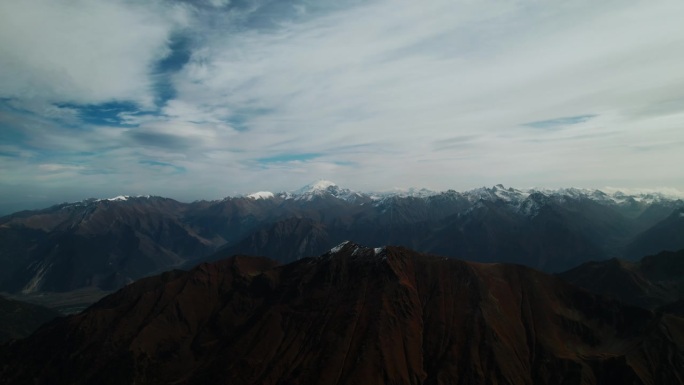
(211, 98)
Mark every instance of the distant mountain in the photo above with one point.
(667, 234)
(103, 243)
(20, 319)
(354, 315)
(107, 243)
(549, 230)
(654, 281)
(291, 239)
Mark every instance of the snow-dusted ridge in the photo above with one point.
(117, 198)
(357, 250)
(323, 188)
(521, 199)
(261, 195)
(527, 202)
(339, 247)
(499, 192)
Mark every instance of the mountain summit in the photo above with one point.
(323, 188)
(319, 185)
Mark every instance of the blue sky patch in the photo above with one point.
(239, 120)
(161, 140)
(560, 122)
(284, 158)
(104, 114)
(179, 56)
(344, 163)
(181, 50)
(156, 163)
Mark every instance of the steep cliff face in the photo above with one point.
(353, 315)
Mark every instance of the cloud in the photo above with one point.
(424, 74)
(81, 51)
(270, 95)
(218, 3)
(51, 167)
(162, 140)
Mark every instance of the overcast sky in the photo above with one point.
(210, 98)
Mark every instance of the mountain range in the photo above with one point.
(353, 315)
(108, 243)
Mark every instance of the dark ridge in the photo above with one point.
(354, 315)
(652, 282)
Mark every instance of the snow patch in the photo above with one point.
(378, 250)
(323, 188)
(411, 192)
(261, 195)
(321, 185)
(119, 198)
(339, 247)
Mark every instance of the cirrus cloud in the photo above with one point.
(272, 94)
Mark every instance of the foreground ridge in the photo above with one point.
(353, 315)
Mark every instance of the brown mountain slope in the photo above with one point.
(352, 316)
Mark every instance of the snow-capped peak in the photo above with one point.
(357, 251)
(261, 195)
(339, 247)
(323, 188)
(318, 186)
(119, 198)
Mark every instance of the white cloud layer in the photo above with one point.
(448, 94)
(82, 51)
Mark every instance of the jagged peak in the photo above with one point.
(323, 188)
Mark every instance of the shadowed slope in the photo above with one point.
(20, 319)
(667, 234)
(653, 281)
(354, 315)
